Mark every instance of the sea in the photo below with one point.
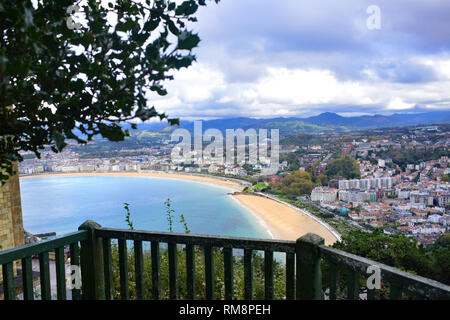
(61, 204)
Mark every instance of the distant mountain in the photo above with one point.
(323, 123)
(326, 118)
(379, 121)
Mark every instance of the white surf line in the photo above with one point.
(260, 220)
(324, 224)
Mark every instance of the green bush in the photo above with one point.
(279, 274)
(399, 251)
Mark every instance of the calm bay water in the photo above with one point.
(61, 204)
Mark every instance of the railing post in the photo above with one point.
(91, 260)
(308, 273)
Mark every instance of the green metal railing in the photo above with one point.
(41, 249)
(207, 243)
(400, 283)
(304, 261)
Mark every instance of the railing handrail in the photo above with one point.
(307, 252)
(32, 249)
(416, 284)
(199, 239)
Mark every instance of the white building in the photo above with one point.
(434, 218)
(324, 194)
(367, 184)
(354, 196)
(402, 194)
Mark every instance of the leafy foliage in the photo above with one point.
(345, 166)
(443, 241)
(295, 184)
(401, 252)
(301, 140)
(403, 157)
(279, 275)
(59, 83)
(128, 216)
(184, 223)
(169, 213)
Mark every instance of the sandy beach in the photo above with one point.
(281, 221)
(284, 223)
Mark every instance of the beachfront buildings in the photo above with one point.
(368, 184)
(324, 194)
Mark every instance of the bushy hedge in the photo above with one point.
(279, 274)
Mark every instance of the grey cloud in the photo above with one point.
(406, 72)
(241, 38)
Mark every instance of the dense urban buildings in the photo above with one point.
(386, 192)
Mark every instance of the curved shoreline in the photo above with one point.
(284, 220)
(263, 224)
(324, 224)
(232, 184)
(277, 218)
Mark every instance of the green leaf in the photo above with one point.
(146, 114)
(159, 89)
(152, 23)
(187, 8)
(174, 121)
(59, 140)
(187, 40)
(172, 27)
(127, 25)
(112, 132)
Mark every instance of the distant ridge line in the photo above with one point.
(326, 122)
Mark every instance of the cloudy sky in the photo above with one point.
(269, 58)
